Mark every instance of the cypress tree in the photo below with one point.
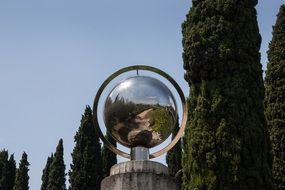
(108, 157)
(56, 177)
(22, 176)
(174, 158)
(46, 171)
(3, 169)
(227, 142)
(11, 173)
(7, 170)
(275, 98)
(86, 167)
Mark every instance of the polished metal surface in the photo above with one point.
(139, 153)
(140, 111)
(154, 70)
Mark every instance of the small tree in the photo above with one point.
(275, 98)
(7, 170)
(46, 171)
(56, 179)
(11, 173)
(22, 177)
(108, 157)
(86, 167)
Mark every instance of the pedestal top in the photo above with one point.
(139, 166)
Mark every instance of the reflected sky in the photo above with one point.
(143, 90)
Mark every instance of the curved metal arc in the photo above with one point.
(148, 68)
(183, 123)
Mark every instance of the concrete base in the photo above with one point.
(139, 175)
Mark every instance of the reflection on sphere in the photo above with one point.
(140, 111)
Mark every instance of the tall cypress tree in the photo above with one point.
(11, 173)
(46, 171)
(86, 167)
(3, 169)
(56, 178)
(7, 170)
(22, 176)
(275, 98)
(174, 158)
(227, 141)
(108, 157)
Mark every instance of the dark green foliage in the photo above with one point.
(3, 169)
(114, 111)
(275, 98)
(11, 173)
(56, 177)
(46, 171)
(86, 167)
(7, 170)
(22, 177)
(174, 158)
(108, 157)
(227, 143)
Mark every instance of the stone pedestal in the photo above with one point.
(139, 175)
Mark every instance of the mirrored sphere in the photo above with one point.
(140, 111)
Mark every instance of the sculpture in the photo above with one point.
(140, 113)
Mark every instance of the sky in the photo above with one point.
(55, 54)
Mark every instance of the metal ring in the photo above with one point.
(159, 72)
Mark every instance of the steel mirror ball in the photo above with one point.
(140, 111)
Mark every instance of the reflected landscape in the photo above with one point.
(140, 111)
